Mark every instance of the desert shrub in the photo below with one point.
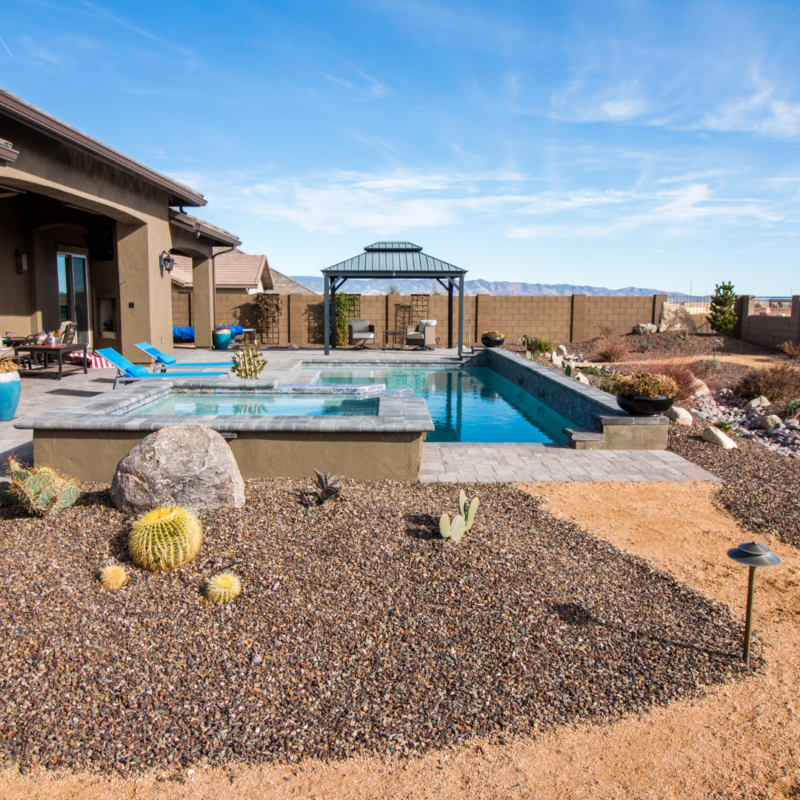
(793, 407)
(645, 384)
(723, 426)
(779, 382)
(612, 350)
(542, 344)
(792, 350)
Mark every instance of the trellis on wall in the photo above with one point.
(419, 308)
(267, 310)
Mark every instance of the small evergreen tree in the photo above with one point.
(435, 290)
(393, 288)
(723, 318)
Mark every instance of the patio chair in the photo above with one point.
(361, 333)
(132, 372)
(165, 360)
(68, 330)
(423, 337)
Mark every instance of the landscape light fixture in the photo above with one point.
(166, 262)
(715, 342)
(752, 555)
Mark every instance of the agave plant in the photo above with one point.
(328, 488)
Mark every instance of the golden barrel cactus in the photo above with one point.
(223, 588)
(165, 538)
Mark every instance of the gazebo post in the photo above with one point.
(333, 333)
(460, 316)
(450, 313)
(326, 336)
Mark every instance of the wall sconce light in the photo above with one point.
(166, 262)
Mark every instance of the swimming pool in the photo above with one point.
(250, 404)
(469, 404)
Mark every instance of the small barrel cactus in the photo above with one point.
(223, 588)
(165, 538)
(113, 577)
(38, 490)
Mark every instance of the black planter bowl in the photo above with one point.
(492, 341)
(644, 406)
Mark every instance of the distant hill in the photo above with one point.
(478, 287)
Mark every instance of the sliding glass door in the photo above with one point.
(73, 293)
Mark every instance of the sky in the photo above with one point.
(621, 143)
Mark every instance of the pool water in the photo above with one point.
(243, 403)
(471, 404)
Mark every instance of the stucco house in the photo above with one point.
(84, 235)
(238, 276)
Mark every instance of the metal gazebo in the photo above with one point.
(397, 260)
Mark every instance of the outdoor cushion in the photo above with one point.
(359, 325)
(363, 335)
(427, 323)
(415, 335)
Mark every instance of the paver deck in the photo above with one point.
(473, 462)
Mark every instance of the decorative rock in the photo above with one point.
(557, 360)
(758, 402)
(699, 388)
(583, 379)
(645, 327)
(561, 350)
(716, 436)
(679, 415)
(792, 424)
(770, 421)
(674, 317)
(187, 465)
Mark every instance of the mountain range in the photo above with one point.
(380, 286)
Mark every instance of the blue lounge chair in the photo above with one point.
(132, 372)
(166, 360)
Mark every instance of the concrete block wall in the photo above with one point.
(561, 318)
(768, 330)
(182, 309)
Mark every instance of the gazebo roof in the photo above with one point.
(393, 260)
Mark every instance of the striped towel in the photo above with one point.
(95, 361)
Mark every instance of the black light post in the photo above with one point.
(752, 555)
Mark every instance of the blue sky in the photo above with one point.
(618, 143)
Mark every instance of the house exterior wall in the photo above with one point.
(51, 173)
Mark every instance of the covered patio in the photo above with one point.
(394, 261)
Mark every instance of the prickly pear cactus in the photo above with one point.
(454, 531)
(165, 538)
(444, 526)
(39, 491)
(467, 510)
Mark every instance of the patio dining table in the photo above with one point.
(57, 351)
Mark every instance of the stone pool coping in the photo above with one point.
(396, 413)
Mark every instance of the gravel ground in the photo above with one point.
(358, 631)
(760, 488)
(671, 344)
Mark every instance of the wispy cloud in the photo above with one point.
(398, 201)
(6, 47)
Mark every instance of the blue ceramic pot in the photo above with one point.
(10, 388)
(221, 339)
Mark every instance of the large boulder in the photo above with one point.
(186, 465)
(674, 317)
